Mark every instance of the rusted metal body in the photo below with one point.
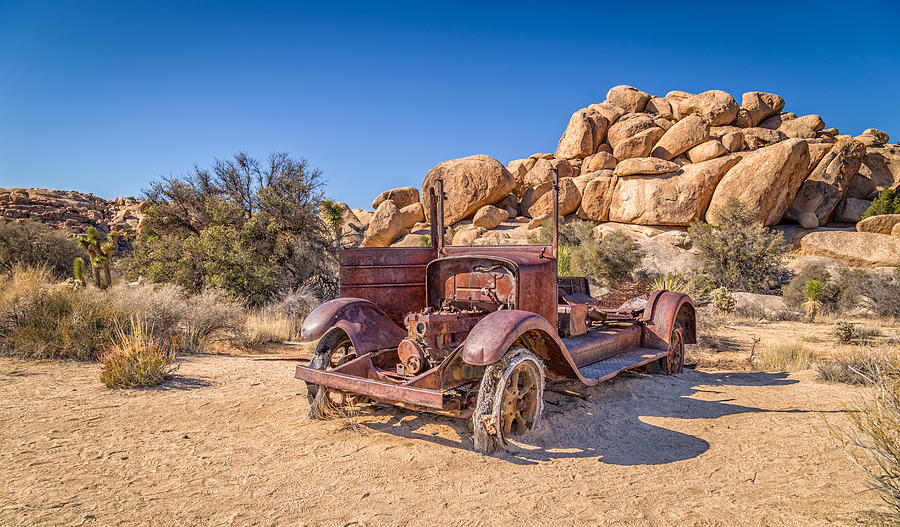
(426, 322)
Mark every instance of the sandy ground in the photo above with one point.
(227, 442)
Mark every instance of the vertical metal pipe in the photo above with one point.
(440, 214)
(435, 233)
(555, 218)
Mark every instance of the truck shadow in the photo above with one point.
(611, 422)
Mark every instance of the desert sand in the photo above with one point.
(227, 442)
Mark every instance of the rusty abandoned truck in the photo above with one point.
(473, 331)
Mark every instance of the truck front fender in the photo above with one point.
(368, 327)
(665, 309)
(498, 331)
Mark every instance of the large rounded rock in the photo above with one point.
(469, 184)
(411, 215)
(638, 146)
(385, 227)
(585, 131)
(596, 197)
(716, 106)
(676, 198)
(659, 106)
(687, 133)
(676, 99)
(878, 137)
(645, 165)
(733, 141)
(489, 217)
(518, 168)
(628, 126)
(857, 249)
(763, 136)
(608, 110)
(401, 197)
(881, 224)
(803, 127)
(628, 97)
(598, 161)
(761, 105)
(821, 192)
(774, 122)
(851, 210)
(765, 181)
(880, 169)
(705, 151)
(569, 198)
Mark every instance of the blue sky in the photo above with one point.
(105, 97)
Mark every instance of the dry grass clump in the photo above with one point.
(783, 356)
(268, 326)
(862, 366)
(873, 442)
(40, 318)
(43, 318)
(137, 358)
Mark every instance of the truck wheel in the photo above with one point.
(334, 349)
(674, 361)
(510, 399)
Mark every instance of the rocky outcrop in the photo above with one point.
(644, 165)
(760, 106)
(714, 106)
(829, 181)
(73, 211)
(766, 181)
(469, 184)
(685, 134)
(676, 198)
(857, 249)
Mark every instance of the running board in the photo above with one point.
(608, 368)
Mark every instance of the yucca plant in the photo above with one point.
(90, 242)
(79, 272)
(672, 282)
(812, 291)
(425, 241)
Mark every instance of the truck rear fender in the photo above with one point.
(368, 327)
(665, 309)
(499, 331)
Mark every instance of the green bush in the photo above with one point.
(739, 253)
(250, 229)
(887, 202)
(32, 244)
(611, 259)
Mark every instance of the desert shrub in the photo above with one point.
(873, 442)
(887, 202)
(739, 253)
(845, 332)
(609, 260)
(831, 298)
(210, 317)
(248, 228)
(41, 318)
(872, 290)
(865, 366)
(722, 300)
(161, 307)
(137, 358)
(613, 258)
(425, 240)
(564, 261)
(783, 356)
(31, 244)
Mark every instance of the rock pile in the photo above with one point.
(69, 210)
(640, 160)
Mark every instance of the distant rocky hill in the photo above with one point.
(69, 210)
(649, 166)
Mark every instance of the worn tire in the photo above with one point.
(321, 402)
(674, 361)
(491, 421)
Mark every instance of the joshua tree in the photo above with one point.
(108, 249)
(90, 242)
(334, 218)
(79, 271)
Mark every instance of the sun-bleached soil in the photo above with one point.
(227, 442)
